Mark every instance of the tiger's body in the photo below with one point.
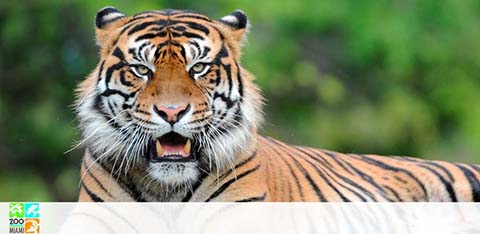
(278, 172)
(170, 115)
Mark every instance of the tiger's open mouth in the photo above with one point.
(171, 147)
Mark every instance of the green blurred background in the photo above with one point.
(370, 76)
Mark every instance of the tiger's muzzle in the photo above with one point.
(172, 147)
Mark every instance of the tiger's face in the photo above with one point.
(168, 95)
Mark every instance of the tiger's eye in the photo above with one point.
(197, 68)
(142, 70)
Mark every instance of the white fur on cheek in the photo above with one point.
(101, 138)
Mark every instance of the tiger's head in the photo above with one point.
(169, 95)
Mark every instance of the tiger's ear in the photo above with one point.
(107, 20)
(238, 23)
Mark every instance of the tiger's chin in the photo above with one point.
(174, 173)
(173, 159)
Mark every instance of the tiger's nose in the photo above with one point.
(171, 113)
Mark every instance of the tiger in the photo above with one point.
(170, 115)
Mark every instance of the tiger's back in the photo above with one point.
(354, 177)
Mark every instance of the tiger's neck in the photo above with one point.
(101, 182)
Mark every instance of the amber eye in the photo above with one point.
(142, 70)
(199, 69)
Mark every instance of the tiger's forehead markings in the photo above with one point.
(164, 29)
(162, 19)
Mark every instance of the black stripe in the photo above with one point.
(100, 70)
(242, 163)
(441, 167)
(133, 22)
(324, 177)
(92, 195)
(197, 46)
(98, 107)
(397, 196)
(228, 102)
(179, 28)
(126, 106)
(117, 52)
(228, 71)
(125, 183)
(192, 35)
(395, 169)
(144, 25)
(230, 182)
(110, 70)
(140, 51)
(334, 157)
(253, 199)
(322, 161)
(191, 25)
(297, 182)
(96, 179)
(305, 173)
(310, 180)
(474, 183)
(221, 54)
(475, 167)
(371, 181)
(204, 52)
(110, 107)
(182, 52)
(110, 92)
(151, 35)
(446, 184)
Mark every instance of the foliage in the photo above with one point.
(370, 76)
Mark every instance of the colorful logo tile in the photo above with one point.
(32, 210)
(16, 210)
(32, 226)
(24, 217)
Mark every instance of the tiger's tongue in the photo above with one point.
(182, 149)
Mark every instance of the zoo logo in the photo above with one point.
(24, 217)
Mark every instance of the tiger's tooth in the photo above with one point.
(160, 149)
(186, 148)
